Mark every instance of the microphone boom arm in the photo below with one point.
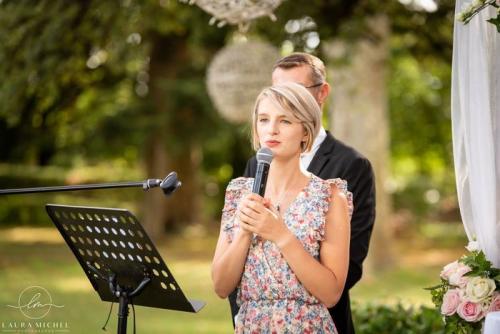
(169, 184)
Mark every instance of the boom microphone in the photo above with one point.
(264, 158)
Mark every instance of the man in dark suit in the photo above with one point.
(330, 158)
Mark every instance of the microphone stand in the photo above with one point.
(169, 184)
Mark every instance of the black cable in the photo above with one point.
(133, 313)
(109, 315)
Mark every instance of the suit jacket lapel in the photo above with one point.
(323, 155)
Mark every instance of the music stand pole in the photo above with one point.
(123, 314)
(123, 294)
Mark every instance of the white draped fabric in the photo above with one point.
(476, 128)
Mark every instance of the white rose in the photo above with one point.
(473, 246)
(479, 288)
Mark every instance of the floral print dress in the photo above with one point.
(270, 297)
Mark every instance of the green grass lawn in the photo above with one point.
(420, 258)
(30, 257)
(51, 264)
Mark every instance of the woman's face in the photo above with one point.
(279, 130)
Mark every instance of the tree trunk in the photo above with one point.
(359, 110)
(154, 208)
(167, 150)
(184, 207)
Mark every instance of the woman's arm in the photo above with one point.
(324, 279)
(230, 257)
(229, 262)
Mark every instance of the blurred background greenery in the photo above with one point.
(105, 91)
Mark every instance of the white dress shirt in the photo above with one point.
(306, 158)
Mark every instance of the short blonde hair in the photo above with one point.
(296, 100)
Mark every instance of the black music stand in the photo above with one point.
(119, 259)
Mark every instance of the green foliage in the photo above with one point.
(76, 76)
(496, 21)
(419, 104)
(304, 17)
(456, 325)
(479, 265)
(437, 293)
(420, 129)
(398, 319)
(53, 52)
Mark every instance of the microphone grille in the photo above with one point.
(264, 155)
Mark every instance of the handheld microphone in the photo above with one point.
(264, 158)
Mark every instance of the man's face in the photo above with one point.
(302, 76)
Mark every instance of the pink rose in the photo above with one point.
(451, 300)
(457, 278)
(449, 269)
(495, 303)
(470, 311)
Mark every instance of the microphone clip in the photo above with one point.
(169, 184)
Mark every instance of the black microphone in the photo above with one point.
(264, 158)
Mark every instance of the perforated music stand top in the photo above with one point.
(113, 241)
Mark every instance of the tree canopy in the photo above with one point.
(96, 80)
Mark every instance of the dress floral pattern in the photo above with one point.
(271, 298)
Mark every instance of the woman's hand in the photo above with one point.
(257, 215)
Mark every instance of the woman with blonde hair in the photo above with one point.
(287, 253)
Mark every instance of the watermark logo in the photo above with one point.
(35, 302)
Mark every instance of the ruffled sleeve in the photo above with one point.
(235, 191)
(342, 186)
(324, 198)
